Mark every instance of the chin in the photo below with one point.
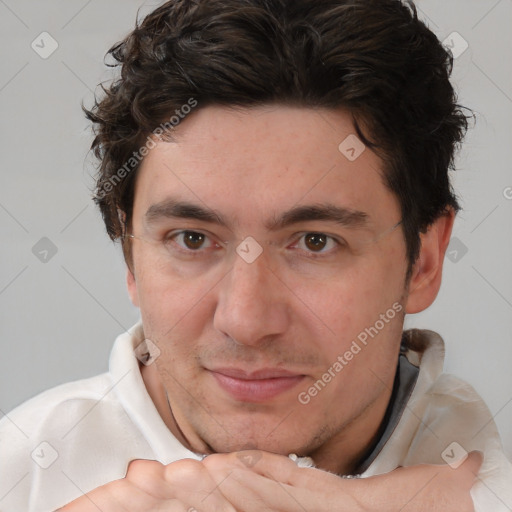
(237, 445)
(238, 436)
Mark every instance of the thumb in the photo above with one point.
(472, 464)
(474, 461)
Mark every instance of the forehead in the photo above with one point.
(252, 164)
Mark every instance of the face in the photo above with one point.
(270, 277)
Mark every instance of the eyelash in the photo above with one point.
(197, 253)
(189, 252)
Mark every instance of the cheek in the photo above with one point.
(173, 309)
(363, 314)
(342, 307)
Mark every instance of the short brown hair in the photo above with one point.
(374, 58)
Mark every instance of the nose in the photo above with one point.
(252, 307)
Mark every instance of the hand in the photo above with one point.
(275, 483)
(268, 482)
(426, 488)
(149, 485)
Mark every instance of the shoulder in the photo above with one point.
(446, 419)
(27, 418)
(454, 421)
(442, 406)
(63, 406)
(69, 433)
(443, 420)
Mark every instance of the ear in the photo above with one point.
(132, 287)
(427, 270)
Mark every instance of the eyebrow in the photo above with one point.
(171, 208)
(347, 217)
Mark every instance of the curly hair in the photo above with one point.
(373, 58)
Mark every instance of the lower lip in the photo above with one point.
(257, 390)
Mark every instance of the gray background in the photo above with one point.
(59, 318)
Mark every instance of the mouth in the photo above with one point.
(255, 386)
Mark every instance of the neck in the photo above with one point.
(158, 395)
(345, 451)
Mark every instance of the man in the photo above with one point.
(277, 173)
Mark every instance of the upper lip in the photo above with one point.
(263, 373)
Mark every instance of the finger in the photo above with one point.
(140, 470)
(186, 481)
(189, 481)
(474, 462)
(267, 481)
(245, 479)
(251, 492)
(260, 462)
(469, 468)
(283, 469)
(116, 496)
(148, 476)
(276, 467)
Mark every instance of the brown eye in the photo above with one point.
(190, 244)
(193, 240)
(315, 241)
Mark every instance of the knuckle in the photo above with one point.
(139, 467)
(183, 471)
(215, 462)
(119, 487)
